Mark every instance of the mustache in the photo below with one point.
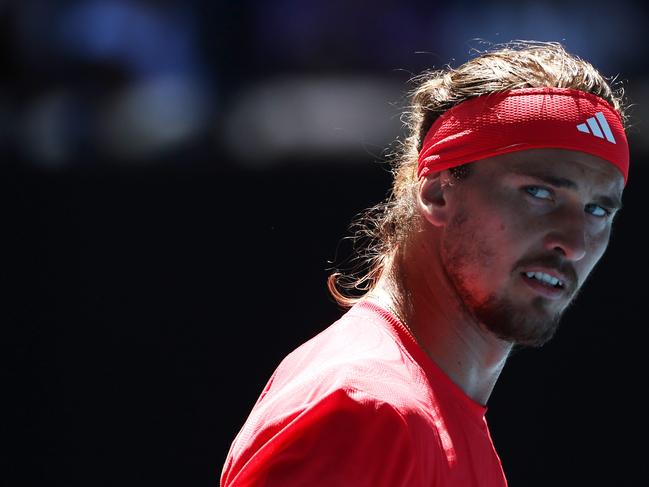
(552, 261)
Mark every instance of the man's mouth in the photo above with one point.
(545, 279)
(543, 284)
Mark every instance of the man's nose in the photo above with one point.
(567, 234)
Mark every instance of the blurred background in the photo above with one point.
(178, 178)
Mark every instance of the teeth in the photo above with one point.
(543, 277)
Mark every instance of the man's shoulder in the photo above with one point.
(356, 353)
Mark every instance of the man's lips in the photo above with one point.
(552, 264)
(548, 280)
(554, 274)
(543, 288)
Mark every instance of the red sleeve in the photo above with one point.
(345, 439)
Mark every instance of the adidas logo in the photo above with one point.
(601, 129)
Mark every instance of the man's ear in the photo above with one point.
(432, 198)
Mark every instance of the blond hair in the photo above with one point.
(377, 231)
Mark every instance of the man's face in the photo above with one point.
(523, 219)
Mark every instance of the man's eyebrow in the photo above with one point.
(556, 181)
(610, 202)
(614, 204)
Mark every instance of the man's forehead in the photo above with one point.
(561, 168)
(578, 167)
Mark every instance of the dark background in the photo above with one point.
(177, 180)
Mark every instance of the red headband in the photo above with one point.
(528, 118)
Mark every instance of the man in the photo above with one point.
(502, 204)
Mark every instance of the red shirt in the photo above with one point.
(361, 404)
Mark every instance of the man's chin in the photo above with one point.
(525, 327)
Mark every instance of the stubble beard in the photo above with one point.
(465, 255)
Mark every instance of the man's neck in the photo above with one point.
(471, 356)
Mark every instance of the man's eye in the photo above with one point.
(539, 192)
(597, 210)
